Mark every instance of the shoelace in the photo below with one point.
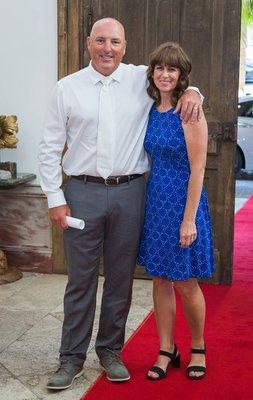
(64, 367)
(110, 358)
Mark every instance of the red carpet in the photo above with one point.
(243, 243)
(229, 334)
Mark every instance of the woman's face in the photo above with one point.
(166, 78)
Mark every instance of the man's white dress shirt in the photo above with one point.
(72, 118)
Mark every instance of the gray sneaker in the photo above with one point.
(114, 367)
(64, 376)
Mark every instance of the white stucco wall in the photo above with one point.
(28, 71)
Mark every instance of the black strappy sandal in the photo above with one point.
(197, 368)
(174, 362)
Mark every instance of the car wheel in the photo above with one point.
(238, 160)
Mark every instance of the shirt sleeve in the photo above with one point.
(196, 90)
(51, 148)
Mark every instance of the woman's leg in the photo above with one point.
(165, 310)
(194, 309)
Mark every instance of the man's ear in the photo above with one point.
(88, 40)
(125, 47)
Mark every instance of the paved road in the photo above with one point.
(243, 188)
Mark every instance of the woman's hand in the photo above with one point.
(188, 233)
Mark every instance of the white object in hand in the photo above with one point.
(75, 223)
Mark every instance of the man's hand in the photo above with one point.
(58, 215)
(190, 107)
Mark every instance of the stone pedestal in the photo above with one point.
(25, 234)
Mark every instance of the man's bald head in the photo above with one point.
(106, 45)
(107, 21)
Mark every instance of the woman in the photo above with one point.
(176, 243)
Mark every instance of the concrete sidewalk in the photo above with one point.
(31, 319)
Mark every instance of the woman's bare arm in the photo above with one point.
(196, 137)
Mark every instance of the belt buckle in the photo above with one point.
(114, 178)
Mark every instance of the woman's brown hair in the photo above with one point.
(172, 55)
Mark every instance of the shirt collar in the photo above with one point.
(97, 77)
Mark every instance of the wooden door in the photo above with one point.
(209, 31)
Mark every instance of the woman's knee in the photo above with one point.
(188, 288)
(161, 282)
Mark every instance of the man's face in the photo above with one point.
(106, 46)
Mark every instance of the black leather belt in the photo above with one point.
(110, 181)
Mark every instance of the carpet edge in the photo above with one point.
(127, 342)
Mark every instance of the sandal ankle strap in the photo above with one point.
(198, 351)
(172, 356)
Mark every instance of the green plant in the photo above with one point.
(247, 12)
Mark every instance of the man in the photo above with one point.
(101, 111)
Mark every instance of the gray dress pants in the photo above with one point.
(113, 217)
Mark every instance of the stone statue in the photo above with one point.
(3, 263)
(8, 130)
(8, 274)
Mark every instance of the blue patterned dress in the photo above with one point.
(160, 251)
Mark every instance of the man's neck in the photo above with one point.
(104, 73)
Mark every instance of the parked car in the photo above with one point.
(244, 150)
(249, 71)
